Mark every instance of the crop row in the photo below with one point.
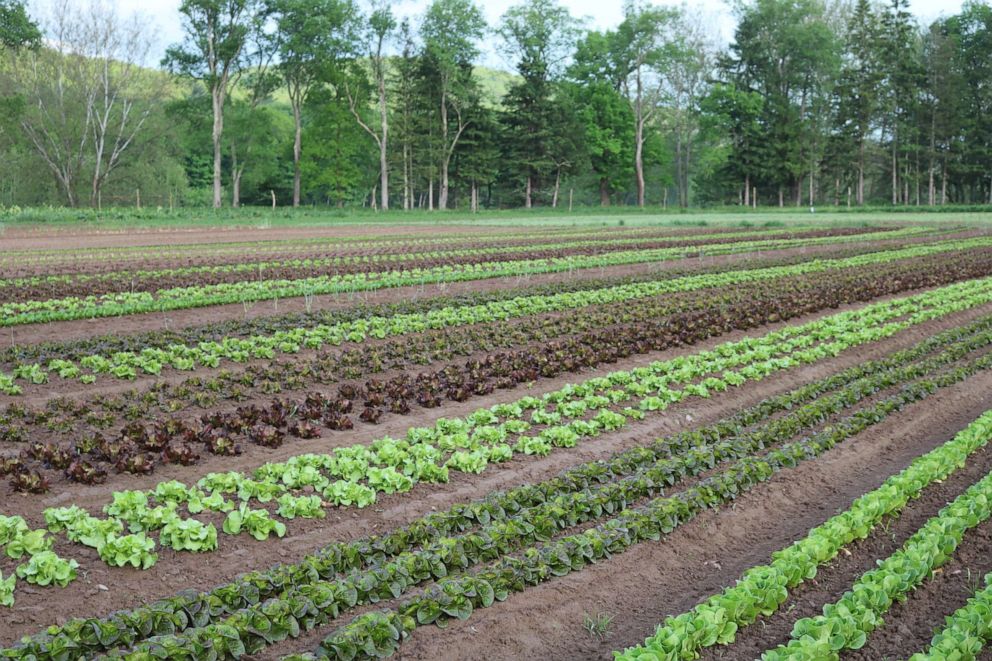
(457, 596)
(541, 523)
(177, 298)
(804, 408)
(174, 439)
(966, 632)
(358, 473)
(109, 256)
(219, 431)
(847, 623)
(107, 345)
(44, 286)
(762, 589)
(211, 354)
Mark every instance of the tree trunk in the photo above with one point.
(604, 192)
(442, 198)
(943, 183)
(383, 146)
(236, 190)
(931, 190)
(747, 190)
(527, 200)
(554, 198)
(430, 194)
(861, 172)
(895, 172)
(639, 162)
(781, 196)
(684, 200)
(217, 99)
(407, 193)
(236, 171)
(475, 197)
(297, 153)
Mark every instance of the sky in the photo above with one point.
(599, 14)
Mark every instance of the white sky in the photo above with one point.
(600, 14)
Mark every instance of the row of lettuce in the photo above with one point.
(266, 607)
(846, 624)
(128, 364)
(179, 298)
(13, 258)
(258, 268)
(353, 476)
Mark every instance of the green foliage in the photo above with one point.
(256, 523)
(17, 30)
(46, 568)
(135, 550)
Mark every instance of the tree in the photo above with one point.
(737, 112)
(312, 36)
(87, 96)
(606, 117)
(903, 78)
(858, 85)
(381, 25)
(643, 48)
(478, 154)
(17, 30)
(450, 32)
(218, 36)
(539, 36)
(337, 163)
(254, 123)
(968, 85)
(405, 85)
(786, 51)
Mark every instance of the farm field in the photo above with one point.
(565, 440)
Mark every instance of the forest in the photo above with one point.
(341, 103)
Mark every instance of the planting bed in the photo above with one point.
(661, 444)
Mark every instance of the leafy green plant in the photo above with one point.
(189, 535)
(46, 568)
(135, 550)
(7, 590)
(309, 507)
(256, 523)
(29, 543)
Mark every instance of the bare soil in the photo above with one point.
(176, 571)
(641, 587)
(175, 319)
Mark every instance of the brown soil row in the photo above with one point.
(214, 254)
(933, 504)
(834, 579)
(910, 626)
(396, 425)
(174, 571)
(641, 587)
(73, 238)
(83, 328)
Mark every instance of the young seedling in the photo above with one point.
(598, 625)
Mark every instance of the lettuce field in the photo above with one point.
(497, 441)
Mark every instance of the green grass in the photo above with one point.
(124, 218)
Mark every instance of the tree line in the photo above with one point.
(333, 102)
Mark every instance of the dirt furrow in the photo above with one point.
(176, 571)
(641, 587)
